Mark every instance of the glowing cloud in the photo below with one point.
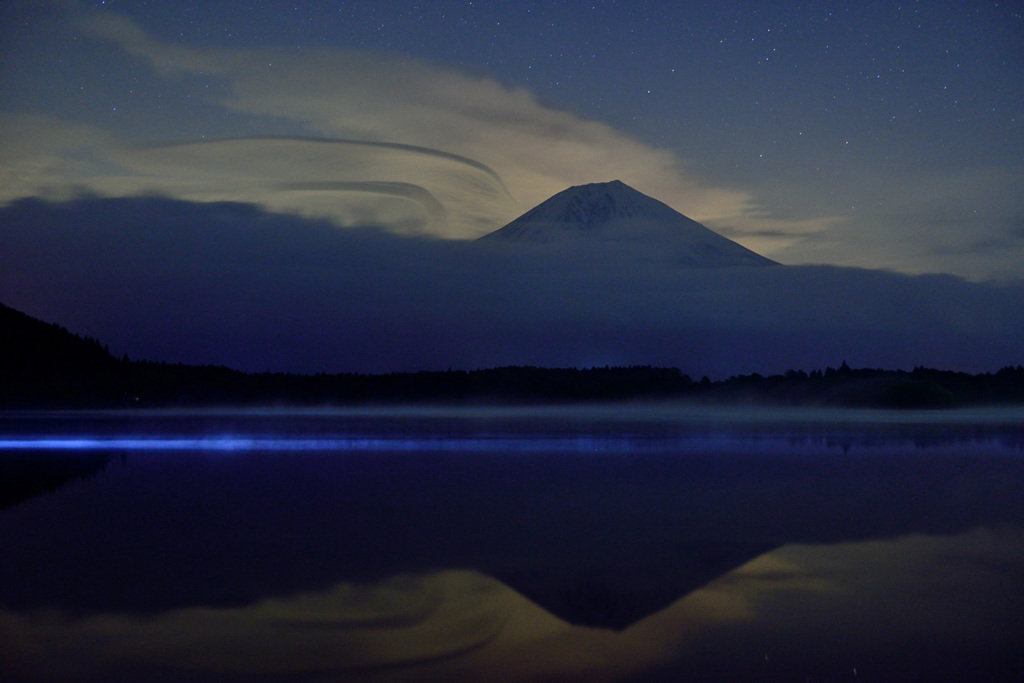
(406, 145)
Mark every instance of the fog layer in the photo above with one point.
(227, 283)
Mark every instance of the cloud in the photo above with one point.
(396, 101)
(955, 221)
(46, 156)
(402, 187)
(405, 188)
(230, 284)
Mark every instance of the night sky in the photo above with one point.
(875, 135)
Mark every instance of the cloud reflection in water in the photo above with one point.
(800, 610)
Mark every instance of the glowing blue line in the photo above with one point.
(234, 443)
(523, 443)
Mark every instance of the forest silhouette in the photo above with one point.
(43, 366)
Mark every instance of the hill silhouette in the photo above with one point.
(43, 365)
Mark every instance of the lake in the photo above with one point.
(633, 542)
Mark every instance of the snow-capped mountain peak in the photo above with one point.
(613, 213)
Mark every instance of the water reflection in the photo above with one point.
(483, 546)
(952, 605)
(26, 475)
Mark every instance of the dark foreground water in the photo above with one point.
(612, 543)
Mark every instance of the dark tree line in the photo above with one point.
(45, 366)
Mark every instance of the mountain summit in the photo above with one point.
(614, 214)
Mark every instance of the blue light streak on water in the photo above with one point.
(528, 444)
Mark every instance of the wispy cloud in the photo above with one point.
(958, 221)
(424, 118)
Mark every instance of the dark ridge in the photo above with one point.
(43, 365)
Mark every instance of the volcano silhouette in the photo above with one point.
(614, 216)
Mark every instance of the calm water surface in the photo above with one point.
(601, 543)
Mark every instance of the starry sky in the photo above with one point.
(882, 135)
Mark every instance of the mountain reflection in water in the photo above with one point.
(517, 546)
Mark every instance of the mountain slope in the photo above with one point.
(615, 215)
